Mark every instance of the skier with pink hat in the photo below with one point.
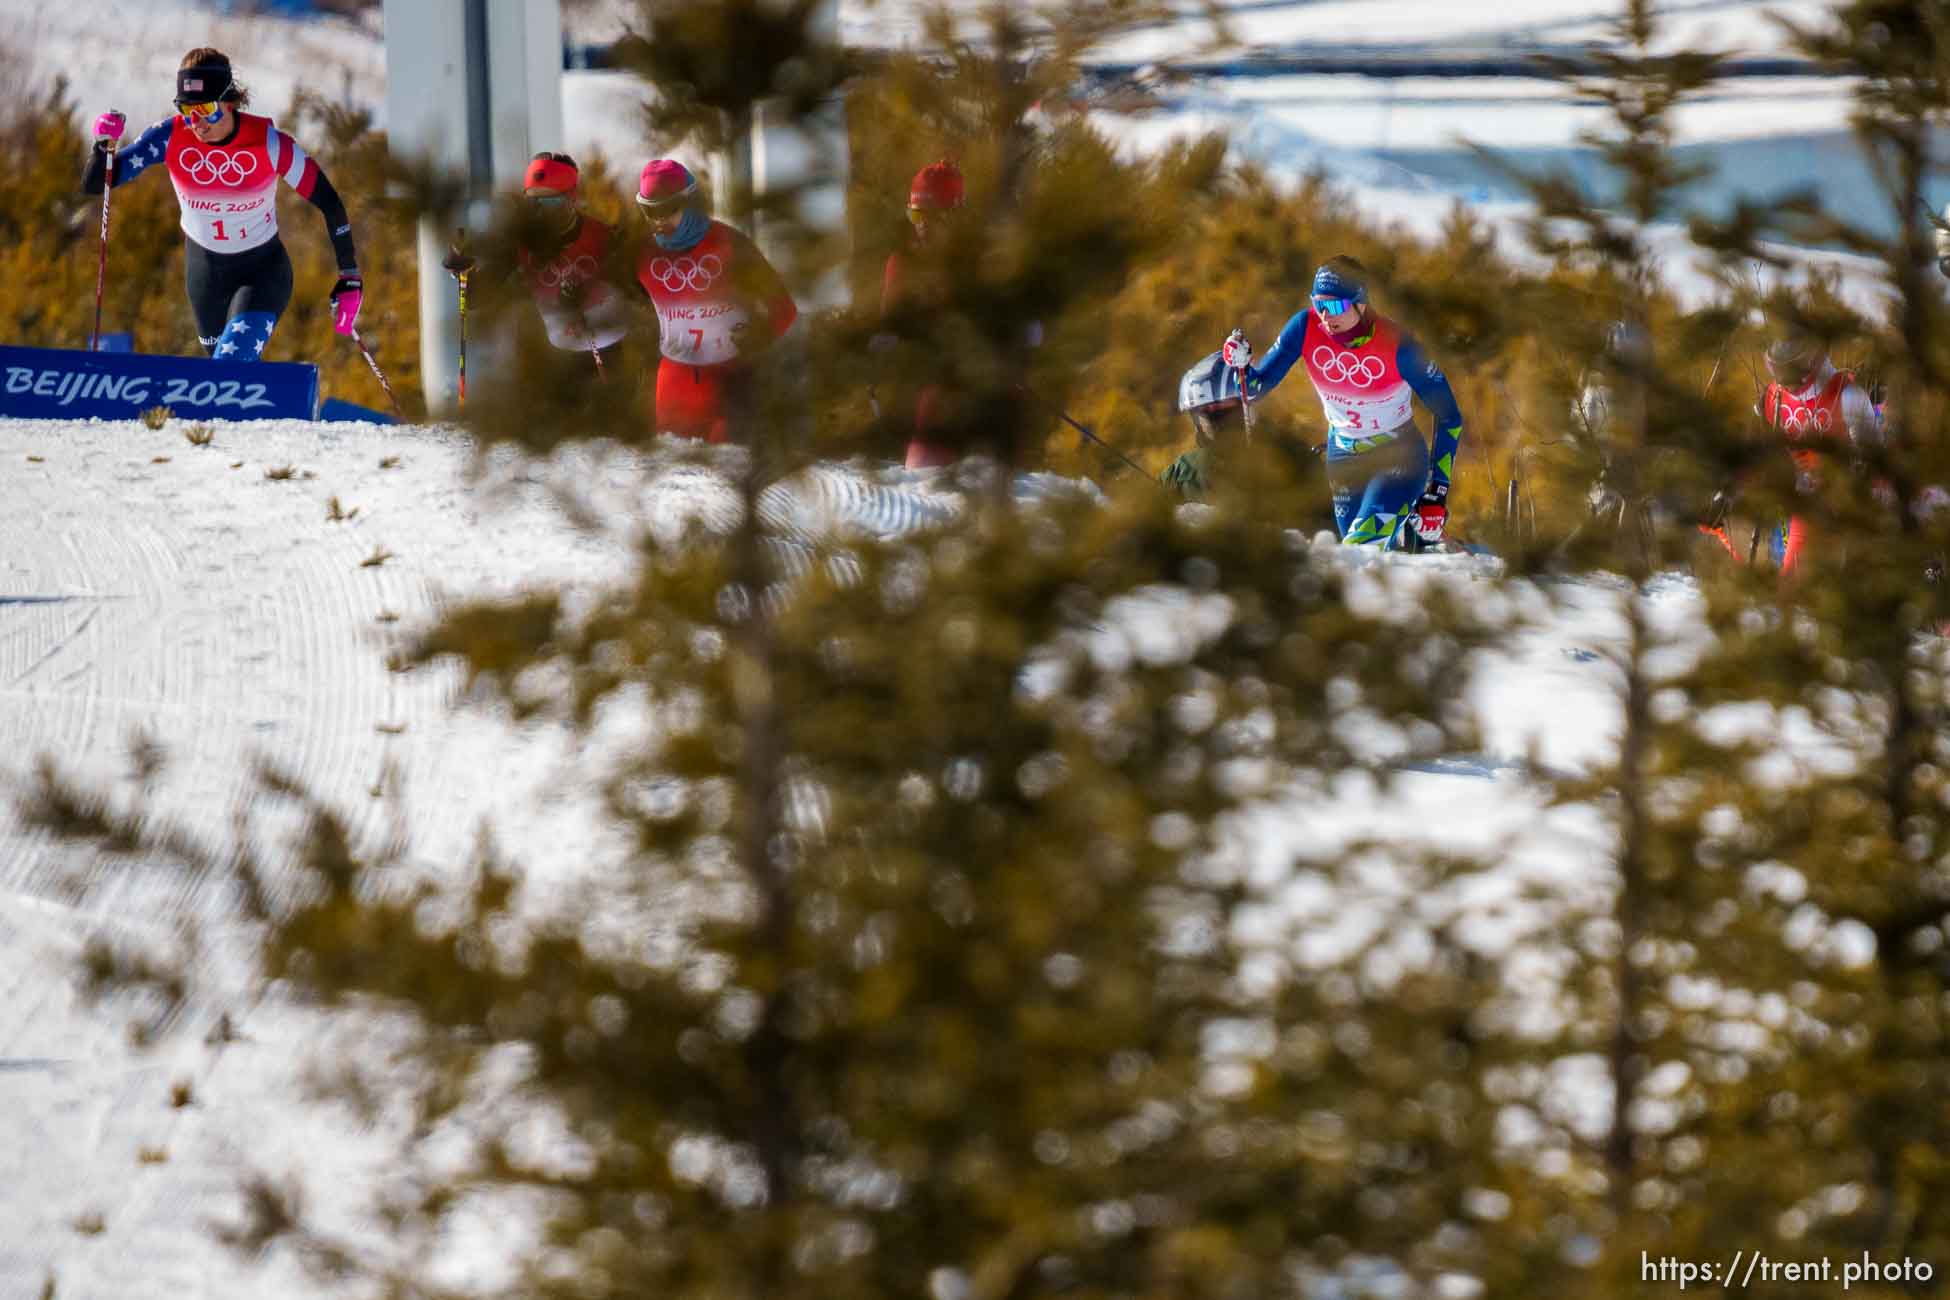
(719, 303)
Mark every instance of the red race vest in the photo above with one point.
(229, 191)
(1361, 389)
(705, 294)
(580, 310)
(1807, 419)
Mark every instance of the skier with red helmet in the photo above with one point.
(719, 303)
(568, 265)
(571, 263)
(936, 191)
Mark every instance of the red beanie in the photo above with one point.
(557, 173)
(937, 185)
(664, 179)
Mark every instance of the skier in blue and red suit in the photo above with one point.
(226, 165)
(1388, 489)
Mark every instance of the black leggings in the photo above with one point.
(223, 285)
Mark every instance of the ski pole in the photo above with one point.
(1064, 416)
(101, 264)
(601, 375)
(461, 392)
(460, 278)
(1243, 353)
(377, 373)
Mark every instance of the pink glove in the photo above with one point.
(109, 125)
(347, 294)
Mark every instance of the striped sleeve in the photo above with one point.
(293, 163)
(303, 174)
(148, 149)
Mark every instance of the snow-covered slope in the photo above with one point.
(206, 599)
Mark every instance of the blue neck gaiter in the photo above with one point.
(689, 231)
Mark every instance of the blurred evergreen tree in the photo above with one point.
(1855, 652)
(1761, 981)
(934, 965)
(918, 975)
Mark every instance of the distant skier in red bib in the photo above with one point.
(226, 165)
(933, 198)
(719, 304)
(569, 271)
(571, 264)
(1810, 402)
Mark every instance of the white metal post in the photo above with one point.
(473, 87)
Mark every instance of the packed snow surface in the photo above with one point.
(206, 599)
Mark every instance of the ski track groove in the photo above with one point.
(243, 622)
(223, 640)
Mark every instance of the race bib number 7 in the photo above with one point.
(705, 335)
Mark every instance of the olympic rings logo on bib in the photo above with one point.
(1805, 420)
(557, 273)
(218, 167)
(679, 273)
(1344, 368)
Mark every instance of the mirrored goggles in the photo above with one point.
(918, 217)
(210, 111)
(551, 202)
(1335, 306)
(668, 206)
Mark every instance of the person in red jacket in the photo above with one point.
(1811, 402)
(572, 265)
(719, 304)
(567, 267)
(936, 192)
(1817, 409)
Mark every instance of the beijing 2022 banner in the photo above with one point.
(55, 384)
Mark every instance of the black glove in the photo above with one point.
(458, 263)
(1718, 509)
(1187, 473)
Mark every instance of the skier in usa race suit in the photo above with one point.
(1367, 372)
(226, 165)
(719, 304)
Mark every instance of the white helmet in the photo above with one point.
(1208, 384)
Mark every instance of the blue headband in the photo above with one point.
(1330, 283)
